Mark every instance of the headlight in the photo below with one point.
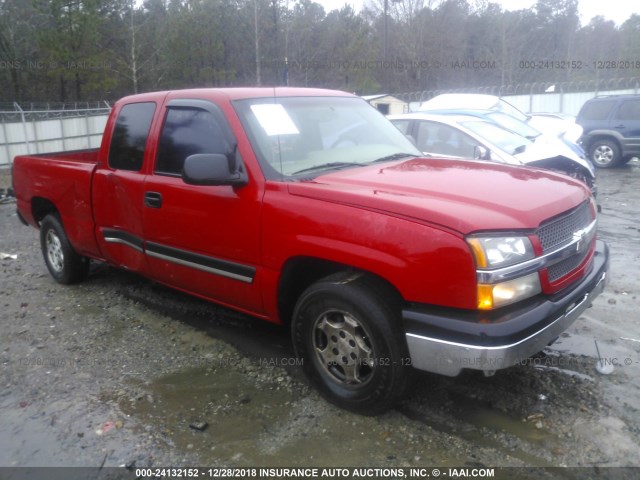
(494, 253)
(497, 252)
(501, 294)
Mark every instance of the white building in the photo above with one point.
(387, 104)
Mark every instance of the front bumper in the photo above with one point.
(445, 341)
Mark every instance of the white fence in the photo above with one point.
(45, 131)
(569, 103)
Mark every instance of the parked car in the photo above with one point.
(307, 208)
(558, 126)
(470, 136)
(611, 126)
(525, 130)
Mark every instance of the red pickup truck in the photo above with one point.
(309, 209)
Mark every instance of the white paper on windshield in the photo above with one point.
(274, 119)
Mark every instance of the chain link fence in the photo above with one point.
(32, 128)
(560, 97)
(50, 127)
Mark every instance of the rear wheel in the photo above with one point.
(605, 153)
(64, 264)
(346, 329)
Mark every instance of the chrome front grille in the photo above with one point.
(559, 232)
(565, 267)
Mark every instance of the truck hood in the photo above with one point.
(465, 196)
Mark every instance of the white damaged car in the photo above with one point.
(466, 136)
(562, 127)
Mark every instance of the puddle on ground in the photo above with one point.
(483, 426)
(254, 423)
(472, 418)
(176, 407)
(620, 354)
(483, 416)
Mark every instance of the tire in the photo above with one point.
(605, 153)
(64, 264)
(347, 333)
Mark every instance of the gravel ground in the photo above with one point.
(119, 370)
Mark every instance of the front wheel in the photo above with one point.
(605, 153)
(346, 330)
(64, 264)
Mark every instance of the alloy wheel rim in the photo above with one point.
(603, 155)
(54, 251)
(343, 348)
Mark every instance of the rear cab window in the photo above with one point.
(130, 133)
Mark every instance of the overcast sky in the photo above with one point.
(616, 10)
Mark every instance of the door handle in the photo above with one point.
(619, 126)
(152, 199)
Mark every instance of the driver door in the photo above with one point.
(203, 239)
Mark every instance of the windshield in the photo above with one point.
(505, 140)
(296, 135)
(506, 107)
(513, 124)
(463, 101)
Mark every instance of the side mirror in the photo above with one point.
(212, 169)
(481, 153)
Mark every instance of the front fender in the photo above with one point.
(425, 264)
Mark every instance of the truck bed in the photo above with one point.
(81, 156)
(62, 179)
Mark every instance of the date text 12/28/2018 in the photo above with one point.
(579, 65)
(255, 473)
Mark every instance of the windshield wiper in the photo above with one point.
(386, 158)
(329, 165)
(395, 156)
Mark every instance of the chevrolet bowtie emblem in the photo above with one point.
(579, 237)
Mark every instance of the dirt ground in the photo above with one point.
(121, 371)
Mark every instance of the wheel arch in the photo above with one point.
(41, 207)
(603, 135)
(299, 273)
